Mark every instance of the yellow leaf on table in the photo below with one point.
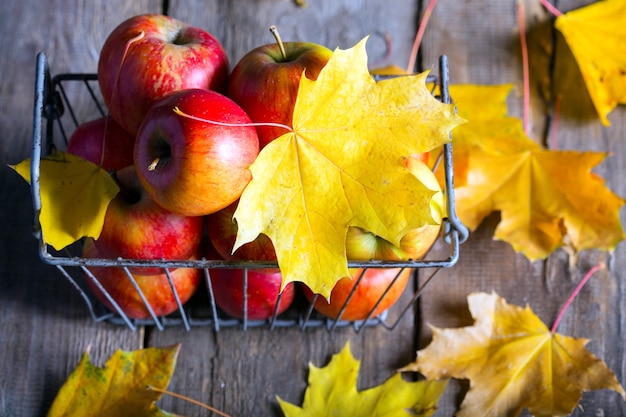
(545, 197)
(120, 389)
(332, 391)
(343, 165)
(75, 194)
(596, 35)
(513, 362)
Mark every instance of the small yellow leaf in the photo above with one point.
(120, 389)
(343, 165)
(596, 35)
(513, 362)
(332, 391)
(75, 194)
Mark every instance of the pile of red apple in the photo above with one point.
(181, 172)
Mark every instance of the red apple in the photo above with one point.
(363, 245)
(190, 162)
(222, 232)
(370, 289)
(156, 288)
(265, 82)
(263, 289)
(150, 56)
(136, 227)
(89, 138)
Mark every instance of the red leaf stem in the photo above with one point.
(410, 68)
(574, 293)
(556, 12)
(526, 77)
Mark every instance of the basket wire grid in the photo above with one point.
(53, 104)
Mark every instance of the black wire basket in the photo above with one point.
(53, 121)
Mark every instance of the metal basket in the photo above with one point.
(53, 105)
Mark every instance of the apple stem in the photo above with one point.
(200, 119)
(279, 41)
(192, 401)
(153, 164)
(574, 293)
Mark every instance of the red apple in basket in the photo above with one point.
(363, 245)
(222, 232)
(263, 289)
(370, 289)
(89, 139)
(136, 227)
(156, 288)
(150, 56)
(265, 82)
(195, 160)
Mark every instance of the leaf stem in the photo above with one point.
(179, 112)
(549, 7)
(131, 41)
(526, 77)
(410, 68)
(574, 293)
(192, 401)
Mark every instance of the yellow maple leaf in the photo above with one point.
(545, 197)
(513, 362)
(75, 194)
(596, 35)
(343, 166)
(120, 388)
(332, 391)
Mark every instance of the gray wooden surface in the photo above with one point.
(45, 327)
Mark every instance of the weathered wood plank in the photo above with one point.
(598, 313)
(479, 39)
(330, 23)
(44, 325)
(241, 373)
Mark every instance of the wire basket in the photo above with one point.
(53, 108)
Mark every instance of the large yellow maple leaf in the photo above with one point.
(513, 362)
(332, 391)
(75, 194)
(596, 35)
(546, 198)
(119, 389)
(343, 165)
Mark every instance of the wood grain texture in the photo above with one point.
(599, 311)
(486, 54)
(45, 327)
(242, 26)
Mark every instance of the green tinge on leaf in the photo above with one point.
(120, 389)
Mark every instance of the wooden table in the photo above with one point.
(45, 327)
